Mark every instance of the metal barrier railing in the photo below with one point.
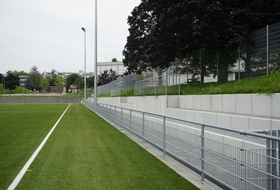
(231, 159)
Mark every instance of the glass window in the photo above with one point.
(114, 67)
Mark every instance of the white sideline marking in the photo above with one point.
(29, 162)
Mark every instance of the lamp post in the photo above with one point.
(95, 61)
(85, 75)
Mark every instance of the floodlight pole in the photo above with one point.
(95, 60)
(85, 74)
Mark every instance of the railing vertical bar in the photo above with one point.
(202, 153)
(143, 126)
(278, 159)
(164, 135)
(268, 160)
(273, 160)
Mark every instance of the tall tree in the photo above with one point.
(114, 60)
(59, 81)
(53, 77)
(11, 81)
(44, 83)
(106, 77)
(90, 82)
(34, 79)
(161, 31)
(19, 73)
(74, 79)
(2, 78)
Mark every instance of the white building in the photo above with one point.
(115, 66)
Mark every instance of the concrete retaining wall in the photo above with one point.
(240, 111)
(243, 112)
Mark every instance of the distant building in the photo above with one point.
(115, 66)
(66, 74)
(73, 88)
(22, 80)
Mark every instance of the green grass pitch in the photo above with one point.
(83, 152)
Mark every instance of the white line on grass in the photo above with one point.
(29, 162)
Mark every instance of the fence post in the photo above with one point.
(179, 85)
(164, 135)
(202, 153)
(268, 161)
(238, 62)
(278, 163)
(154, 83)
(140, 88)
(273, 161)
(166, 84)
(267, 55)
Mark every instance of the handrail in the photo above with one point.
(243, 132)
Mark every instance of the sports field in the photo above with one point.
(82, 151)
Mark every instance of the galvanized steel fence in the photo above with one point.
(118, 87)
(165, 84)
(229, 158)
(260, 58)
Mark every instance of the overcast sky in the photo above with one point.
(47, 33)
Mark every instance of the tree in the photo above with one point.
(44, 82)
(34, 79)
(19, 73)
(114, 60)
(2, 78)
(106, 77)
(74, 79)
(161, 31)
(11, 82)
(79, 82)
(90, 82)
(53, 78)
(59, 81)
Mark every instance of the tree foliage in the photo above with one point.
(2, 78)
(53, 78)
(11, 81)
(90, 82)
(44, 83)
(161, 31)
(74, 79)
(19, 73)
(106, 77)
(59, 81)
(34, 79)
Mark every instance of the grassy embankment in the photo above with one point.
(262, 85)
(18, 90)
